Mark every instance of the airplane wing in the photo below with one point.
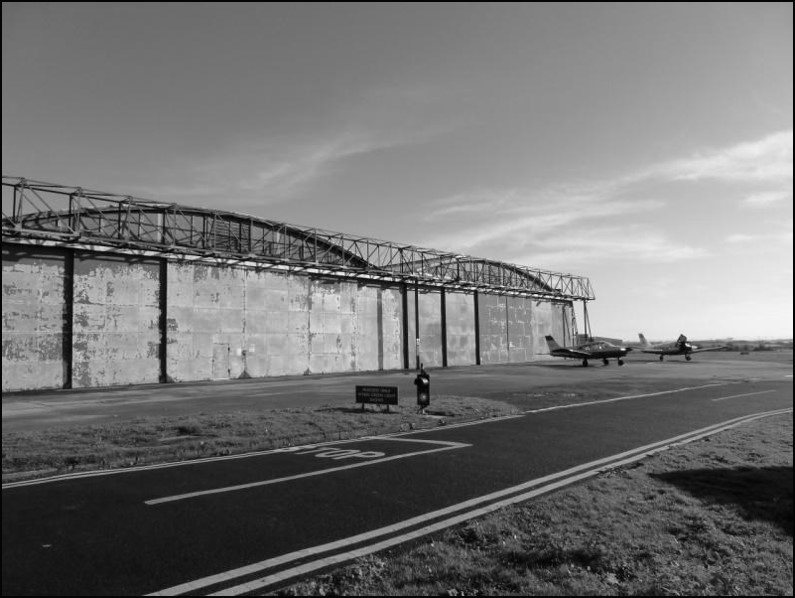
(701, 349)
(574, 353)
(650, 350)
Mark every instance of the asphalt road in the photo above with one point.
(248, 524)
(48, 409)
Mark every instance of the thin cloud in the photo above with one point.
(610, 243)
(767, 160)
(774, 243)
(510, 217)
(499, 219)
(741, 238)
(766, 198)
(274, 170)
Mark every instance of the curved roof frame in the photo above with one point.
(35, 210)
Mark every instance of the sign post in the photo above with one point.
(423, 384)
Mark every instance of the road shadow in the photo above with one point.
(557, 365)
(758, 493)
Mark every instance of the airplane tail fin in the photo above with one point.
(551, 343)
(643, 341)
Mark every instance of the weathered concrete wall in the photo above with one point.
(235, 322)
(520, 329)
(512, 329)
(430, 304)
(492, 315)
(204, 322)
(391, 328)
(33, 317)
(377, 328)
(266, 327)
(229, 322)
(554, 319)
(460, 315)
(116, 338)
(354, 327)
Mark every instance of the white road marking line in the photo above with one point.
(627, 398)
(442, 442)
(348, 556)
(547, 483)
(747, 394)
(447, 446)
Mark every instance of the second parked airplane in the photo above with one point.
(679, 347)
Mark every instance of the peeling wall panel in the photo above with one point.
(493, 329)
(34, 311)
(430, 316)
(392, 329)
(520, 329)
(460, 329)
(205, 311)
(116, 318)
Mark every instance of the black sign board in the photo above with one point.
(378, 395)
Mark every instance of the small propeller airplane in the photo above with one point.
(679, 347)
(594, 349)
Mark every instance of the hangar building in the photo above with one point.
(102, 290)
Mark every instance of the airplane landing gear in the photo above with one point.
(688, 357)
(585, 363)
(620, 362)
(604, 361)
(661, 357)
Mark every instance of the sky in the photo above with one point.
(646, 146)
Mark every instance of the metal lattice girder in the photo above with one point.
(34, 210)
